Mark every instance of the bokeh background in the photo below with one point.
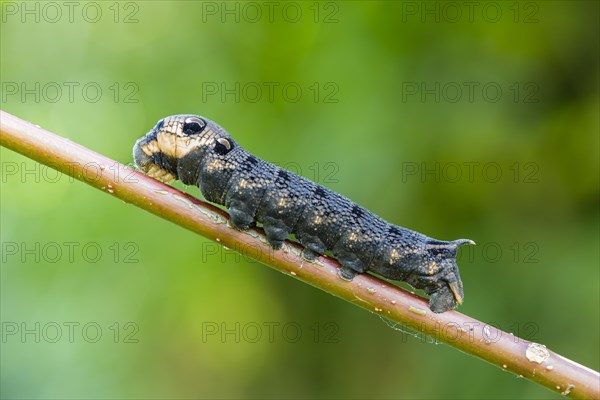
(450, 119)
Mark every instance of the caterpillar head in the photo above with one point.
(178, 145)
(435, 271)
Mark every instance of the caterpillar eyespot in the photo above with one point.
(197, 151)
(193, 126)
(223, 146)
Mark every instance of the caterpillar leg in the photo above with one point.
(346, 273)
(313, 247)
(240, 216)
(276, 232)
(351, 263)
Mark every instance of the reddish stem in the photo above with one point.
(530, 360)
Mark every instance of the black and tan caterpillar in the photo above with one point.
(197, 151)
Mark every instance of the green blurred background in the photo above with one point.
(454, 120)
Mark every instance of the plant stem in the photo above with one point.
(523, 358)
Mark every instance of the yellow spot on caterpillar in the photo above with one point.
(151, 148)
(167, 143)
(213, 166)
(176, 144)
(156, 172)
(394, 256)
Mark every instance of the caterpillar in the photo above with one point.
(197, 151)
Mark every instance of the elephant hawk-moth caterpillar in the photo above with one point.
(197, 151)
